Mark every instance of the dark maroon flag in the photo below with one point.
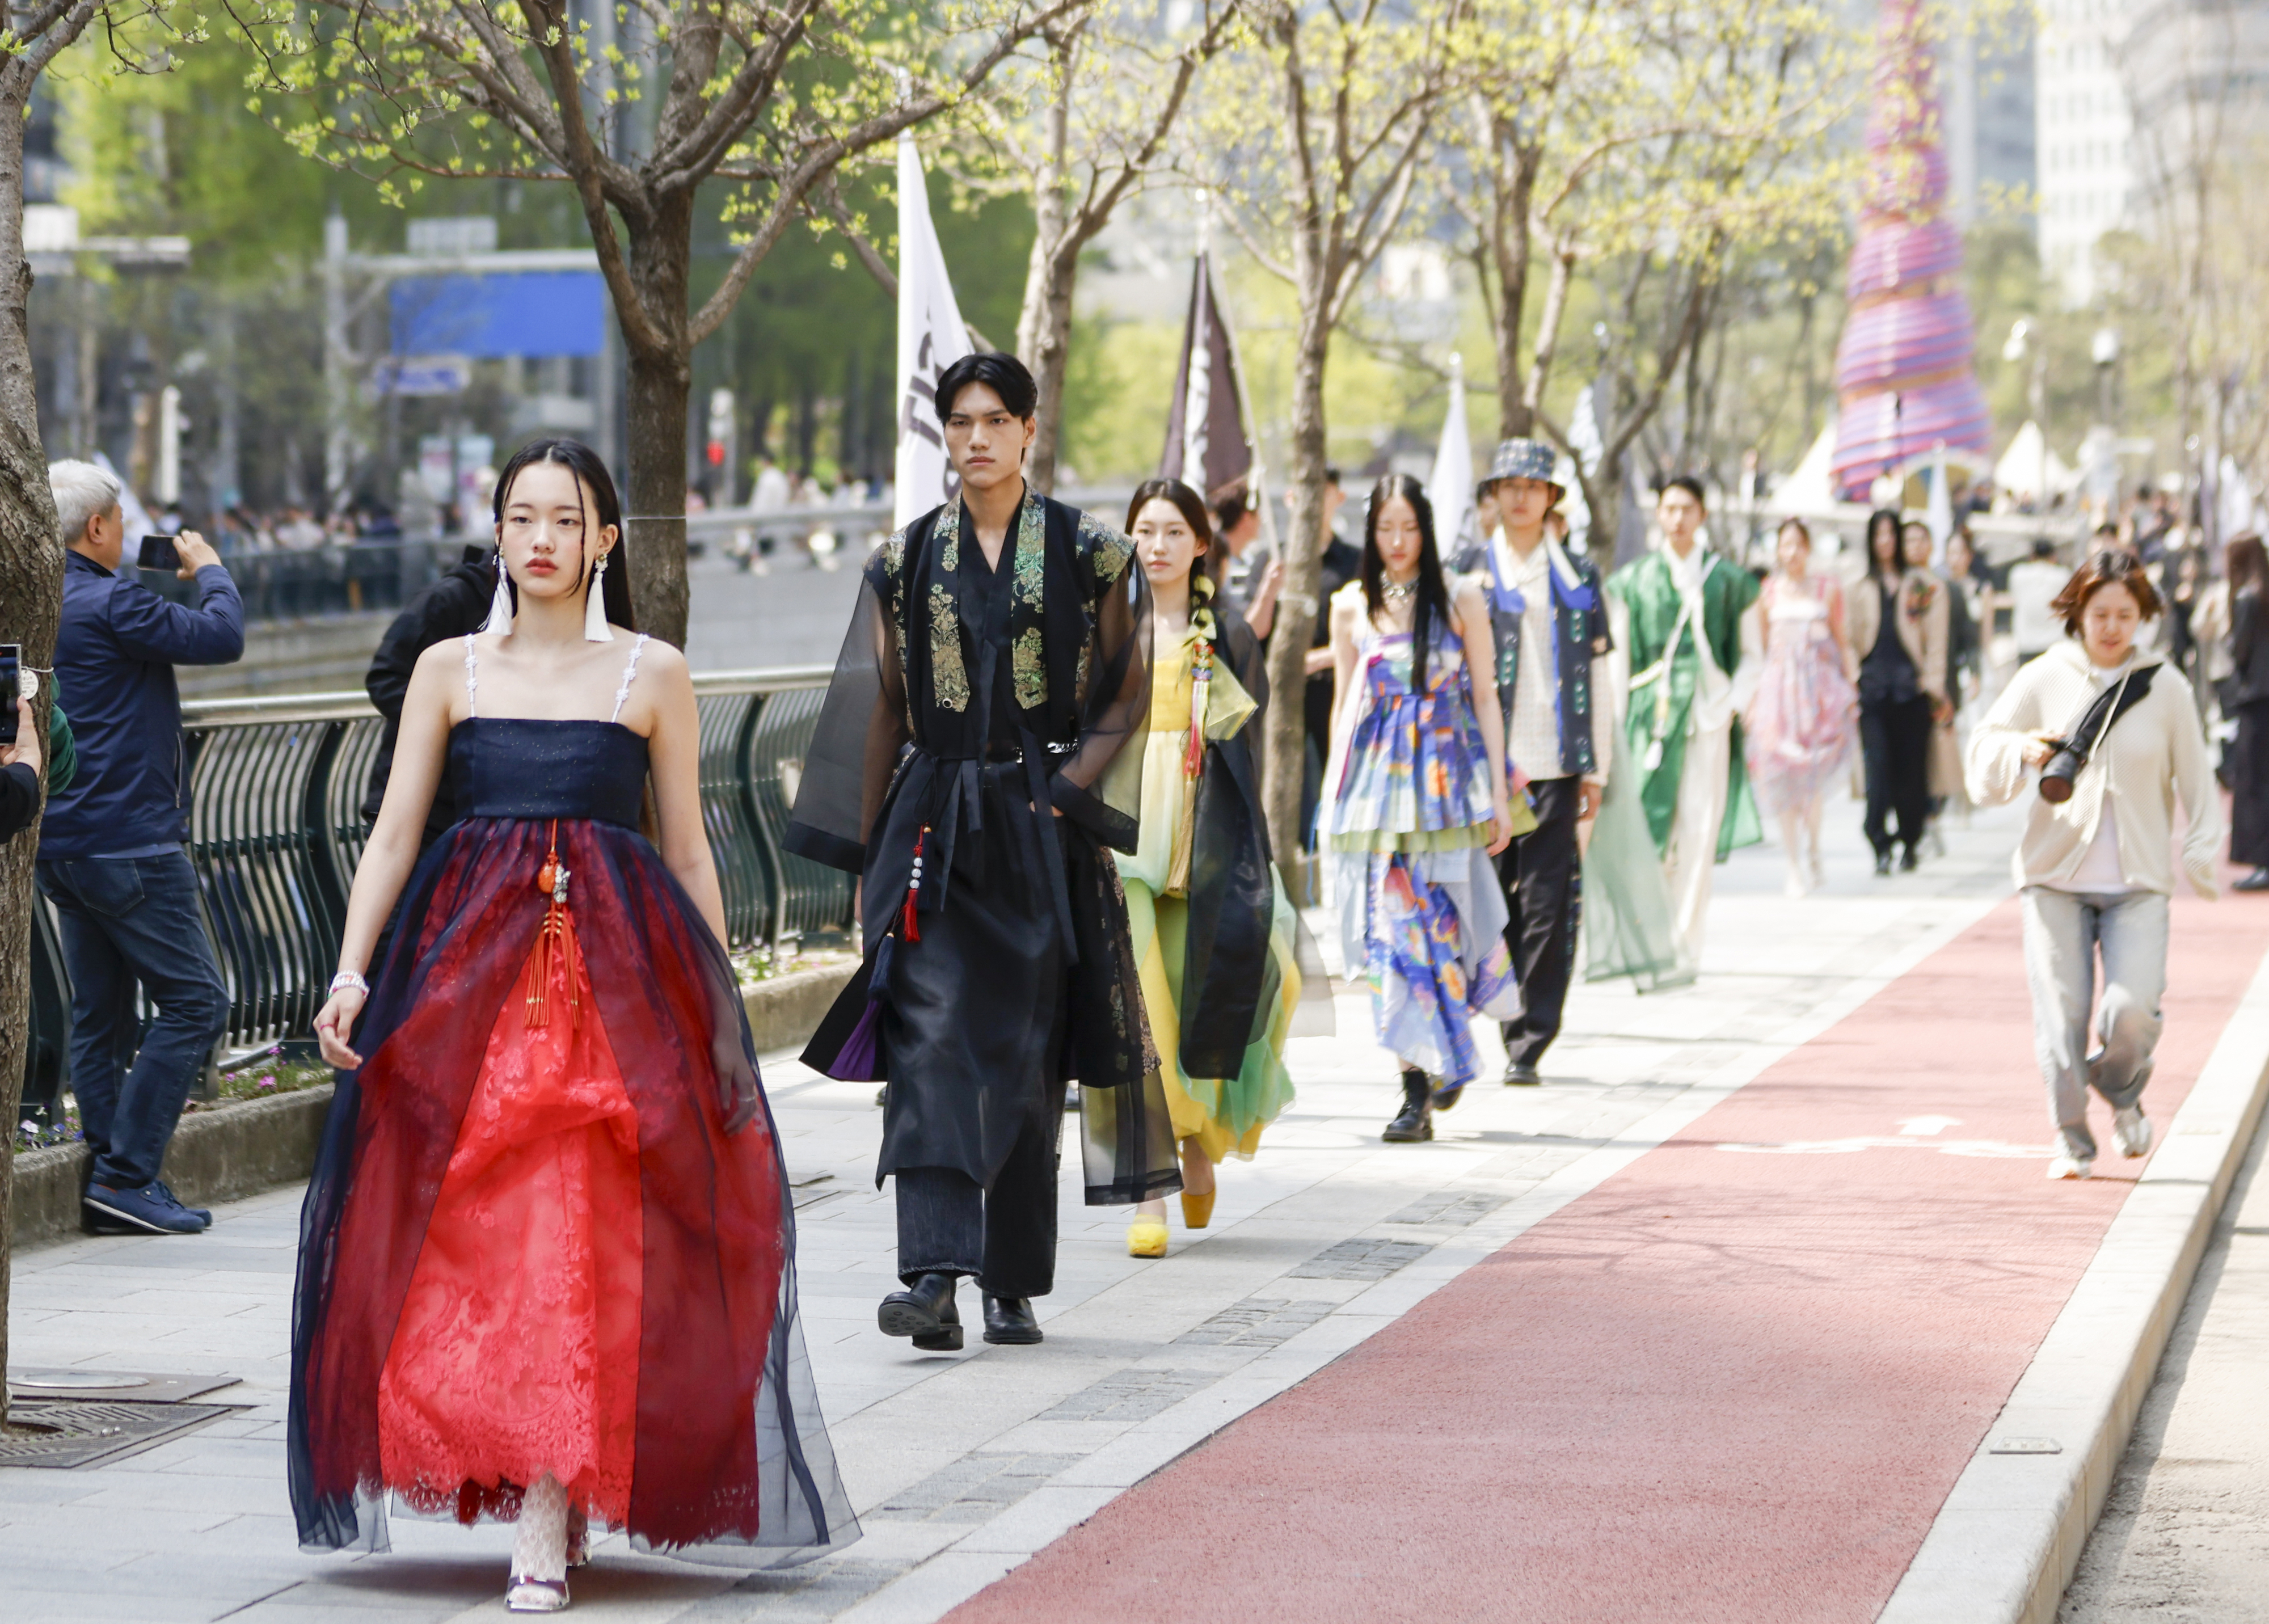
(1207, 445)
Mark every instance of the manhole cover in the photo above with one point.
(125, 1386)
(74, 1381)
(63, 1433)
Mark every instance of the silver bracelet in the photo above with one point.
(348, 978)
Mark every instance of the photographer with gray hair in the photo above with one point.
(112, 856)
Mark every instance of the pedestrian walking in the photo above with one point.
(1214, 934)
(444, 612)
(1917, 548)
(1679, 626)
(1416, 804)
(113, 857)
(1337, 563)
(1803, 720)
(548, 1263)
(1550, 626)
(981, 743)
(1898, 622)
(2247, 696)
(2033, 586)
(2118, 734)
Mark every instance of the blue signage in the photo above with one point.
(514, 312)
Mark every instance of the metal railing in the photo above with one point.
(276, 828)
(282, 585)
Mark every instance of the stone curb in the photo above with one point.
(2009, 1539)
(223, 1155)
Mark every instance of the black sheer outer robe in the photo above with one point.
(968, 706)
(1230, 979)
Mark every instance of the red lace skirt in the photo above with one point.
(517, 1350)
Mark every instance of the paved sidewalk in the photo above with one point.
(2184, 1535)
(961, 1466)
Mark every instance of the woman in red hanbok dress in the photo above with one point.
(547, 1262)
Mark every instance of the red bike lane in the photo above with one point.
(1725, 1385)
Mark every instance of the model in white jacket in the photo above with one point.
(2094, 872)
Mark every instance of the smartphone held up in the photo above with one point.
(12, 678)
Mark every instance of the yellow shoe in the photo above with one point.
(1146, 1237)
(1197, 1210)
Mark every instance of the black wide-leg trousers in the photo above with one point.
(1895, 744)
(1006, 1236)
(1542, 875)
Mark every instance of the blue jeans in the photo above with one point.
(2064, 932)
(129, 919)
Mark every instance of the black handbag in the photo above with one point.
(2071, 752)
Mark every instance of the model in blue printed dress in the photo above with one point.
(1417, 803)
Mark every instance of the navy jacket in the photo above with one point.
(1579, 624)
(116, 657)
(19, 799)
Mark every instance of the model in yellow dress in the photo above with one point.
(1213, 933)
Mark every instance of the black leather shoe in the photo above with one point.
(1519, 1076)
(2258, 880)
(1883, 864)
(924, 1311)
(1908, 861)
(1010, 1319)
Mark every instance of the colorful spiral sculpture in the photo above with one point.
(1905, 380)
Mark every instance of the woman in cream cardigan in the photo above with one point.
(1896, 620)
(2094, 872)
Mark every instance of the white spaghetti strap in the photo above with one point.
(472, 677)
(629, 672)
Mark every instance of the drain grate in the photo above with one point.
(1257, 1322)
(1451, 1208)
(1360, 1258)
(1129, 1395)
(61, 1433)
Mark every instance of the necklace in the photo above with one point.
(1399, 592)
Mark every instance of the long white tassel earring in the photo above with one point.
(499, 620)
(595, 629)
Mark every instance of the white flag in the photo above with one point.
(931, 338)
(1939, 513)
(1451, 489)
(1583, 435)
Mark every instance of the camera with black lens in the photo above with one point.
(2066, 759)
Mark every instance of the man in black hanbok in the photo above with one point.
(980, 744)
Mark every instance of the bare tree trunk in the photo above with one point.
(1509, 234)
(1044, 325)
(661, 384)
(1044, 340)
(1285, 740)
(655, 504)
(1548, 336)
(31, 606)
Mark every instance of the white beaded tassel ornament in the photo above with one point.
(595, 629)
(499, 620)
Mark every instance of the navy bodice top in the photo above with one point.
(519, 767)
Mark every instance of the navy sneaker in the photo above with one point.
(202, 1214)
(151, 1210)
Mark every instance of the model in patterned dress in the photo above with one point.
(1803, 723)
(1417, 804)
